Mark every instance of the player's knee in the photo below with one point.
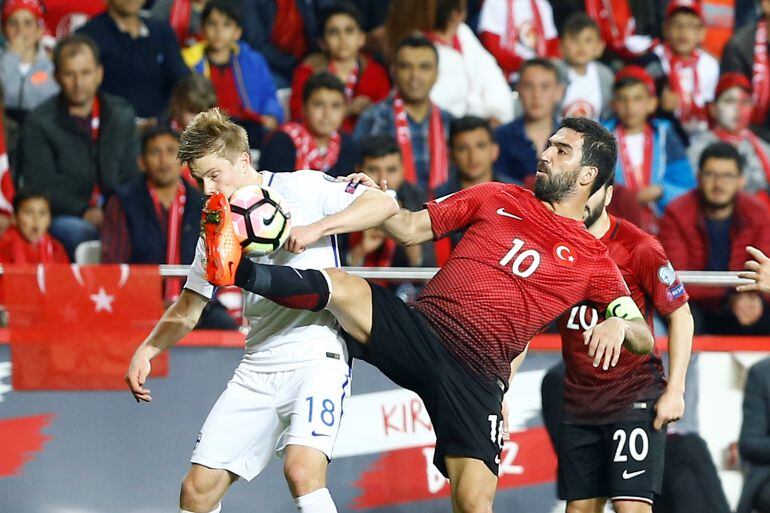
(302, 478)
(473, 502)
(581, 507)
(198, 495)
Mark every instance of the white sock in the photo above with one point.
(319, 501)
(215, 510)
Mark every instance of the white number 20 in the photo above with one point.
(518, 263)
(633, 449)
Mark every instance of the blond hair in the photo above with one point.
(212, 133)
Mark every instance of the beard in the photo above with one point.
(593, 215)
(555, 189)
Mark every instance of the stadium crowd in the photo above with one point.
(434, 96)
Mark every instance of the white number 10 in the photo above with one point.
(518, 263)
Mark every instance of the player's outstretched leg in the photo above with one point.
(302, 289)
(305, 471)
(203, 489)
(473, 485)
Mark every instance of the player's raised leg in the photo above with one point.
(473, 485)
(203, 489)
(347, 296)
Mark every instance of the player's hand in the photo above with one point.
(367, 181)
(758, 270)
(506, 433)
(137, 374)
(605, 340)
(303, 236)
(669, 408)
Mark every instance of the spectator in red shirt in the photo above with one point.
(239, 74)
(342, 38)
(316, 143)
(708, 229)
(28, 241)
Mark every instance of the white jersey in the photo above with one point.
(583, 97)
(283, 338)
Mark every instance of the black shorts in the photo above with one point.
(466, 413)
(621, 461)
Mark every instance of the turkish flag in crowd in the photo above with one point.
(75, 328)
(6, 182)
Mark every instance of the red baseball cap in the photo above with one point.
(730, 80)
(693, 6)
(637, 73)
(33, 6)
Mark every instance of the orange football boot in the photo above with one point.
(223, 249)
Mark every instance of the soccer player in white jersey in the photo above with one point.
(286, 395)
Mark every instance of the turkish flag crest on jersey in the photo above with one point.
(75, 328)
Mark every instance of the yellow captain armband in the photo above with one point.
(624, 308)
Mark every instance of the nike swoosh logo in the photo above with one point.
(629, 475)
(323, 434)
(501, 211)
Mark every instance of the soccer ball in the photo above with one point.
(261, 220)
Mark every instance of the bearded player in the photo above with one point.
(286, 394)
(524, 259)
(612, 440)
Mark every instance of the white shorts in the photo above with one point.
(260, 413)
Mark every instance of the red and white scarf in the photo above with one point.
(636, 178)
(308, 154)
(173, 234)
(760, 76)
(512, 30)
(350, 82)
(96, 121)
(7, 190)
(614, 20)
(179, 19)
(439, 162)
(746, 134)
(689, 109)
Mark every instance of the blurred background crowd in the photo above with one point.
(432, 95)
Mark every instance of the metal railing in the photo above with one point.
(713, 279)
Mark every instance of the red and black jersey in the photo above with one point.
(596, 396)
(518, 267)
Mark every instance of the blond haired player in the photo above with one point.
(286, 395)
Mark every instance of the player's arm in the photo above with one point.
(670, 405)
(624, 327)
(369, 209)
(409, 228)
(177, 321)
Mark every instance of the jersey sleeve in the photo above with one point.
(607, 283)
(196, 276)
(658, 279)
(332, 195)
(458, 210)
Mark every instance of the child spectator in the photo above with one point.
(317, 142)
(240, 75)
(517, 30)
(589, 82)
(26, 71)
(686, 75)
(730, 113)
(652, 164)
(28, 242)
(342, 38)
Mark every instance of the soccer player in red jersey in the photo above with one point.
(612, 439)
(523, 261)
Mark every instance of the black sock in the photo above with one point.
(301, 289)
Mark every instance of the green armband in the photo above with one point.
(624, 308)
